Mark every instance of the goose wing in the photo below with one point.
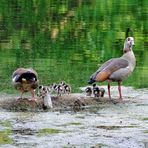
(23, 73)
(108, 68)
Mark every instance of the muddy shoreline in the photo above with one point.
(99, 125)
(73, 101)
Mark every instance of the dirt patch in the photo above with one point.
(74, 101)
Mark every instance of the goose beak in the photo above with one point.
(91, 81)
(133, 43)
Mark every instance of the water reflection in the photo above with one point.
(66, 40)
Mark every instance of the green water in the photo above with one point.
(66, 39)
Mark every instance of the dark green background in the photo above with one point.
(67, 39)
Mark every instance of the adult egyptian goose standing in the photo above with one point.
(24, 80)
(117, 69)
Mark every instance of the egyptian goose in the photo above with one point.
(45, 93)
(102, 92)
(66, 87)
(57, 89)
(24, 80)
(96, 91)
(88, 91)
(117, 69)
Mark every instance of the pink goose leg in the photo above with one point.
(119, 89)
(22, 92)
(33, 94)
(109, 89)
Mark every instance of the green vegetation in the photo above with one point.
(4, 137)
(6, 123)
(65, 40)
(114, 127)
(5, 134)
(146, 131)
(48, 131)
(146, 118)
(100, 145)
(73, 123)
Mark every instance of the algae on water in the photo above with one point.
(4, 134)
(4, 137)
(48, 131)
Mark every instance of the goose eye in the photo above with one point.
(40, 86)
(44, 88)
(128, 39)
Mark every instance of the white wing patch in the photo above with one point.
(14, 79)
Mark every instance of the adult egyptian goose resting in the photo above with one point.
(117, 69)
(24, 80)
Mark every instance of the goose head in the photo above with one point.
(128, 44)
